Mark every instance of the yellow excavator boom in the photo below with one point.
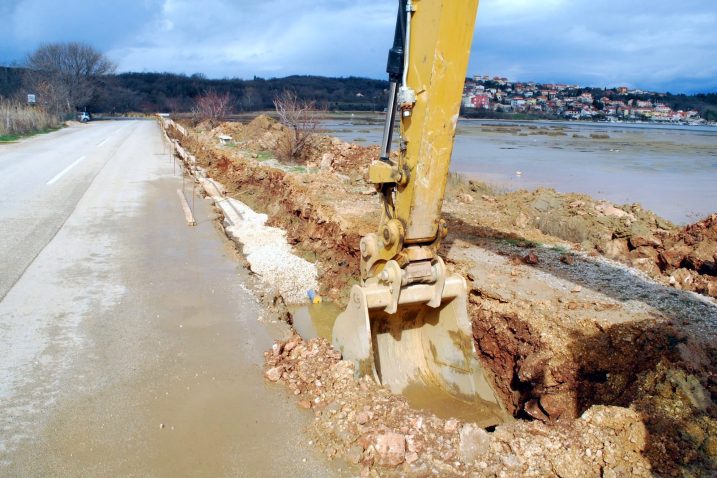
(434, 71)
(407, 322)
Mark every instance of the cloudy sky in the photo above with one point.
(652, 44)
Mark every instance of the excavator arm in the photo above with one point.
(427, 97)
(407, 323)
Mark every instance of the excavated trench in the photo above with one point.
(552, 350)
(326, 240)
(316, 321)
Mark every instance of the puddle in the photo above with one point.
(444, 405)
(317, 320)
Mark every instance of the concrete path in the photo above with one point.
(128, 342)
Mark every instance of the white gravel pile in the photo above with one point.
(269, 254)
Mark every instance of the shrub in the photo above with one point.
(20, 119)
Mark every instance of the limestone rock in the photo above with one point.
(450, 426)
(615, 249)
(531, 258)
(390, 449)
(683, 277)
(607, 209)
(521, 221)
(354, 454)
(273, 374)
(363, 417)
(556, 405)
(640, 241)
(474, 442)
(326, 160)
(646, 265)
(568, 259)
(465, 198)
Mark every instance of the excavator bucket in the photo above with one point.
(418, 345)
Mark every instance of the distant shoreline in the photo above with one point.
(708, 128)
(377, 117)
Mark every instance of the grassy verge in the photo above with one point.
(9, 138)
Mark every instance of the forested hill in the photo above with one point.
(151, 92)
(10, 81)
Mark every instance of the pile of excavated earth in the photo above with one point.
(595, 322)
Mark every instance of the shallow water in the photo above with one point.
(671, 170)
(314, 320)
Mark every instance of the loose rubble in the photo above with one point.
(363, 423)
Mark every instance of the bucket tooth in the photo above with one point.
(352, 334)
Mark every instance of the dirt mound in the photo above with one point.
(253, 136)
(688, 256)
(234, 129)
(262, 123)
(205, 126)
(685, 258)
(265, 134)
(580, 219)
(332, 153)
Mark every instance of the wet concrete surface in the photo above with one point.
(131, 346)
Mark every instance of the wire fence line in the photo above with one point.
(186, 167)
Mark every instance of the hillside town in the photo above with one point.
(486, 94)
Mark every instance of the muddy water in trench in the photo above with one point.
(317, 320)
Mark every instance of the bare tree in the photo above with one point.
(212, 106)
(250, 99)
(52, 95)
(69, 72)
(301, 117)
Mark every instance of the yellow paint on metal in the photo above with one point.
(439, 55)
(438, 61)
(380, 172)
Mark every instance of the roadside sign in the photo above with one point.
(31, 99)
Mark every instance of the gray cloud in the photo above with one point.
(655, 44)
(650, 44)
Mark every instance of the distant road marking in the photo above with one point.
(62, 173)
(110, 136)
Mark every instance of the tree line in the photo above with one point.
(173, 93)
(70, 77)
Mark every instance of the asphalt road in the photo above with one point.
(42, 180)
(129, 343)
